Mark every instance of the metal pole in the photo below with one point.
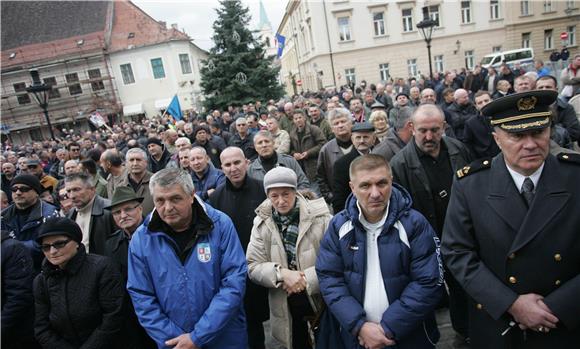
(329, 44)
(45, 109)
(429, 53)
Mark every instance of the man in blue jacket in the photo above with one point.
(187, 270)
(379, 266)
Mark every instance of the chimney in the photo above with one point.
(174, 26)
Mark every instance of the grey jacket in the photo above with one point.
(329, 153)
(390, 146)
(257, 171)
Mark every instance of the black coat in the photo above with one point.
(478, 138)
(81, 305)
(498, 249)
(101, 227)
(17, 301)
(409, 172)
(240, 205)
(135, 337)
(156, 166)
(459, 114)
(341, 188)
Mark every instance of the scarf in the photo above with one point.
(288, 228)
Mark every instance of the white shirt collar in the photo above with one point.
(519, 178)
(367, 224)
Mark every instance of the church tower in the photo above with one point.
(265, 31)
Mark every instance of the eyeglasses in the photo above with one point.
(22, 189)
(75, 149)
(127, 210)
(57, 245)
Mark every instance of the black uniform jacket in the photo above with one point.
(498, 249)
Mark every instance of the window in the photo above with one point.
(379, 23)
(127, 73)
(97, 85)
(465, 12)
(157, 67)
(547, 5)
(571, 35)
(439, 67)
(496, 49)
(412, 67)
(350, 76)
(469, 59)
(526, 40)
(186, 65)
(310, 35)
(20, 89)
(434, 13)
(570, 4)
(74, 87)
(384, 71)
(53, 92)
(548, 42)
(525, 9)
(407, 20)
(494, 9)
(344, 28)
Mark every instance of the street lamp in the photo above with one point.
(40, 92)
(426, 26)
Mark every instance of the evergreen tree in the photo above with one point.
(237, 71)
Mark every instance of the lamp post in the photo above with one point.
(40, 92)
(426, 26)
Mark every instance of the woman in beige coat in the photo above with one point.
(282, 253)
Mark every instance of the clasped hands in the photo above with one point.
(372, 336)
(293, 281)
(530, 312)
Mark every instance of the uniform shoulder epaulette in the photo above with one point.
(475, 166)
(569, 157)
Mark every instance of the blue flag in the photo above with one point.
(281, 42)
(174, 109)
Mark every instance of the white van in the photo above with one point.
(523, 56)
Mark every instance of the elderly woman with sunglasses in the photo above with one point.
(79, 297)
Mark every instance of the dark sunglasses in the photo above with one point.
(57, 245)
(22, 189)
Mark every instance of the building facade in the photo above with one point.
(99, 56)
(333, 42)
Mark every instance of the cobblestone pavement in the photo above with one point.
(447, 340)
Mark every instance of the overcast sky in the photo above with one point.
(196, 17)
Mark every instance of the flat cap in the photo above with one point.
(378, 105)
(363, 127)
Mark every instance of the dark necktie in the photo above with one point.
(528, 190)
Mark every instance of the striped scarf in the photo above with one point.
(288, 228)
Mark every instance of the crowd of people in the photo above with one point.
(345, 217)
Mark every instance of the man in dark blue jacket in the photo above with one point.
(379, 267)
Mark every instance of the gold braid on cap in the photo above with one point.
(520, 117)
(525, 126)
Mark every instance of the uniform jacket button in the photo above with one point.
(557, 257)
(512, 280)
(479, 306)
(558, 282)
(512, 256)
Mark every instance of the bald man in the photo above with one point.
(460, 111)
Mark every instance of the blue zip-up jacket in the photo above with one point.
(211, 179)
(411, 268)
(202, 296)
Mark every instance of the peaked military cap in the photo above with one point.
(521, 112)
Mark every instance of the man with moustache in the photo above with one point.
(425, 167)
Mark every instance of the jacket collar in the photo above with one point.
(200, 219)
(72, 267)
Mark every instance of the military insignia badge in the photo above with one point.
(527, 103)
(203, 252)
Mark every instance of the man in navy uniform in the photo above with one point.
(511, 235)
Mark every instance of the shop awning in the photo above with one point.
(133, 109)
